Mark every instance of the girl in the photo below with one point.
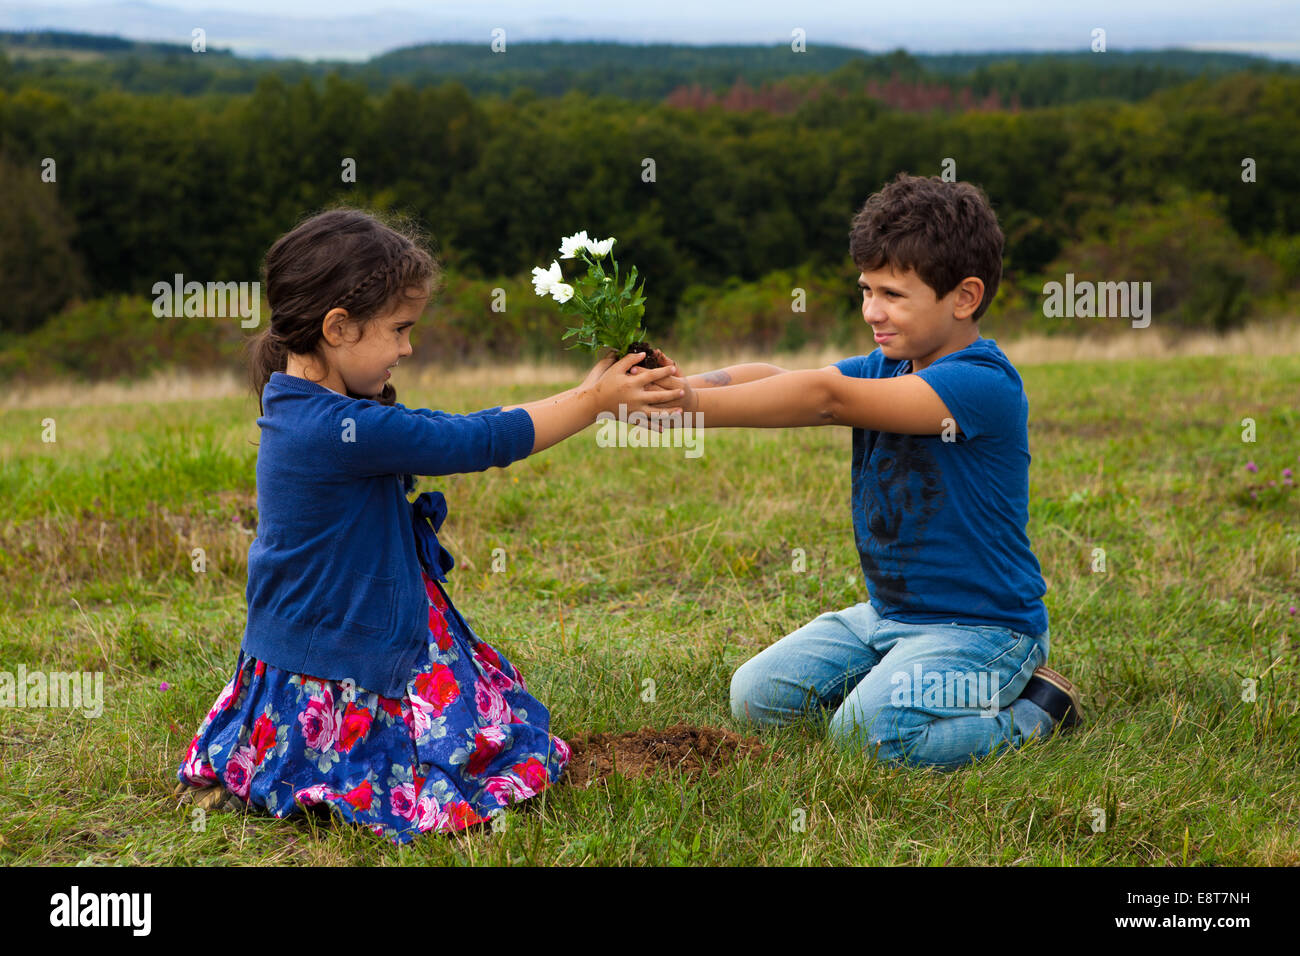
(358, 686)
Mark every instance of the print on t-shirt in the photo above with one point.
(908, 482)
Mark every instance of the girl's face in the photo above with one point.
(361, 366)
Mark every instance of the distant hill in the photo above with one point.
(77, 62)
(462, 58)
(357, 32)
(45, 43)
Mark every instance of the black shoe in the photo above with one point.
(1056, 695)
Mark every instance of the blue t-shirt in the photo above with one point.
(940, 525)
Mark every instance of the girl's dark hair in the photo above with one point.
(945, 231)
(343, 258)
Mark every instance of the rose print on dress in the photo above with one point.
(508, 789)
(533, 773)
(239, 771)
(262, 738)
(320, 722)
(457, 743)
(489, 742)
(491, 703)
(355, 726)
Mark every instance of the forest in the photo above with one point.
(132, 163)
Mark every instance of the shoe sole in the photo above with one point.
(1074, 712)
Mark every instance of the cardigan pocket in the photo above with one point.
(370, 604)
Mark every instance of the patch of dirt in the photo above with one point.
(638, 753)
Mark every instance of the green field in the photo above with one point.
(632, 564)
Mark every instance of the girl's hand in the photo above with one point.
(597, 371)
(674, 383)
(636, 393)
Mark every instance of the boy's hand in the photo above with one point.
(675, 382)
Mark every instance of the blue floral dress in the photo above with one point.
(465, 741)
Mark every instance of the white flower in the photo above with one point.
(545, 280)
(562, 292)
(570, 245)
(600, 248)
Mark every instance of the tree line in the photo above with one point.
(146, 186)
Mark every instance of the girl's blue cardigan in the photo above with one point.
(334, 587)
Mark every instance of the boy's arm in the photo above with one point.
(904, 405)
(734, 375)
(731, 375)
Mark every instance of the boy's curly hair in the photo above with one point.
(943, 231)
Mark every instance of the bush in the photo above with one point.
(118, 336)
(761, 314)
(1202, 275)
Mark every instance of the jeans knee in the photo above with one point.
(851, 727)
(758, 695)
(742, 693)
(880, 733)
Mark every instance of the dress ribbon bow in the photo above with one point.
(431, 507)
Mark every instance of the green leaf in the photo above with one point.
(609, 312)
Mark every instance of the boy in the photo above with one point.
(944, 664)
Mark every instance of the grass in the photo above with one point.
(626, 564)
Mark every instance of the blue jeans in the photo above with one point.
(926, 694)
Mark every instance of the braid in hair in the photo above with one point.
(388, 395)
(381, 273)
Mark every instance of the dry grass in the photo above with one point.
(1260, 338)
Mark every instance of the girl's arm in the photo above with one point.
(592, 378)
(374, 439)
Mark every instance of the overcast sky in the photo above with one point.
(1267, 27)
(775, 11)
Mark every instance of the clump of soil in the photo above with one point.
(651, 360)
(638, 753)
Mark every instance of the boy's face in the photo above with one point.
(910, 322)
